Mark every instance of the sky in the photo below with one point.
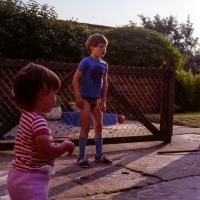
(121, 12)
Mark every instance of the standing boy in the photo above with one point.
(90, 87)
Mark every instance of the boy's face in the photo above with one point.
(99, 51)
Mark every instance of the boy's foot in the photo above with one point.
(103, 158)
(83, 162)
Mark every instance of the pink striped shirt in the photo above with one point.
(27, 156)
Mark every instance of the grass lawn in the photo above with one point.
(187, 119)
(181, 119)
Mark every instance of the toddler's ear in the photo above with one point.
(42, 93)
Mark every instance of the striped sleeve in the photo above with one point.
(40, 126)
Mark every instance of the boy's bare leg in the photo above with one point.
(85, 128)
(98, 127)
(97, 121)
(85, 119)
(97, 116)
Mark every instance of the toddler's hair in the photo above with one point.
(29, 81)
(94, 40)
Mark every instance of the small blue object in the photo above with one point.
(73, 119)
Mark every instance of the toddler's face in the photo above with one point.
(49, 101)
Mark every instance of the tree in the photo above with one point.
(197, 58)
(25, 28)
(180, 34)
(32, 31)
(137, 46)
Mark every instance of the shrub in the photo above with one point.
(136, 46)
(187, 90)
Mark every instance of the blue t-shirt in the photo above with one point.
(92, 76)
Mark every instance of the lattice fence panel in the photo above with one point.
(139, 94)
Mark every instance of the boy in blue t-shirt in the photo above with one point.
(90, 87)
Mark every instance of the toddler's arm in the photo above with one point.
(49, 150)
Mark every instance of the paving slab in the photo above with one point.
(138, 172)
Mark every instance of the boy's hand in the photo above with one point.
(102, 106)
(80, 103)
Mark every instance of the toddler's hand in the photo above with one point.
(70, 147)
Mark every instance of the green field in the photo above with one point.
(187, 119)
(182, 119)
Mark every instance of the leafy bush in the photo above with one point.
(187, 91)
(136, 46)
(197, 92)
(32, 31)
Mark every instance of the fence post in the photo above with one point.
(167, 102)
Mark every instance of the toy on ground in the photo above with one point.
(120, 119)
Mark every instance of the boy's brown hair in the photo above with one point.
(94, 40)
(29, 81)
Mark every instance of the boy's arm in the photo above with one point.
(104, 93)
(104, 88)
(76, 86)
